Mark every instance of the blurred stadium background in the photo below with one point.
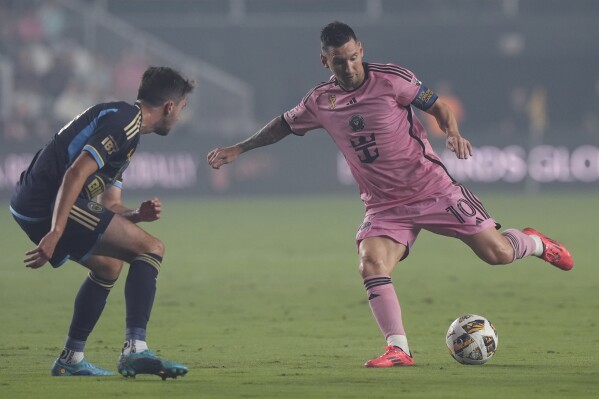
(522, 76)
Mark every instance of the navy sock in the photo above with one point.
(140, 290)
(89, 304)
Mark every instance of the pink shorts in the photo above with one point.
(457, 213)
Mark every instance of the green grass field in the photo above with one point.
(261, 298)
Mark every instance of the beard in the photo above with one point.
(162, 130)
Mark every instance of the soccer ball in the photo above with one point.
(472, 339)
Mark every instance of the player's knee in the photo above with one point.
(155, 246)
(500, 255)
(371, 266)
(109, 270)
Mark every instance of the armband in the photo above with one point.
(424, 99)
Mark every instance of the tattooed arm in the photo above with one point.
(274, 131)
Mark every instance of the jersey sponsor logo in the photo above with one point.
(366, 144)
(110, 145)
(356, 123)
(94, 188)
(332, 99)
(352, 101)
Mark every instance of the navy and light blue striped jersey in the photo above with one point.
(109, 132)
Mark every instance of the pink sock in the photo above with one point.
(384, 305)
(522, 243)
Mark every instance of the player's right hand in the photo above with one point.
(38, 257)
(149, 210)
(221, 156)
(459, 146)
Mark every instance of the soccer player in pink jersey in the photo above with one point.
(367, 110)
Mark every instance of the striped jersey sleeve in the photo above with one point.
(304, 116)
(405, 84)
(115, 133)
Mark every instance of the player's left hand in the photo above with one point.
(38, 257)
(149, 210)
(459, 146)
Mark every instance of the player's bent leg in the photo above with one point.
(503, 248)
(125, 240)
(491, 246)
(378, 257)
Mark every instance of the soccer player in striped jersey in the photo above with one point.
(366, 108)
(68, 202)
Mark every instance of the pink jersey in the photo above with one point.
(379, 135)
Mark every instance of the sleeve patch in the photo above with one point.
(110, 145)
(424, 99)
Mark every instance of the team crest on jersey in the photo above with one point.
(332, 100)
(95, 207)
(356, 123)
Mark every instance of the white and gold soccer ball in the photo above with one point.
(472, 339)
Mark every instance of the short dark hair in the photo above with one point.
(336, 34)
(160, 84)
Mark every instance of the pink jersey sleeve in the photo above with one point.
(302, 118)
(406, 90)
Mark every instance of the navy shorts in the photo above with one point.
(87, 222)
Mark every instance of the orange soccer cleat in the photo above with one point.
(553, 252)
(393, 356)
